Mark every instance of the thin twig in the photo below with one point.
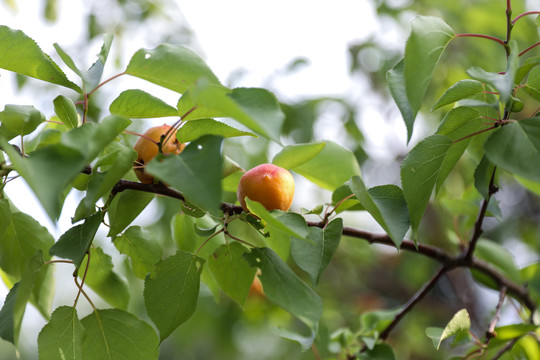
(415, 299)
(491, 329)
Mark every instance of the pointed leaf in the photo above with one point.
(136, 103)
(171, 294)
(460, 322)
(515, 147)
(22, 55)
(196, 172)
(21, 237)
(283, 287)
(387, 206)
(231, 271)
(313, 257)
(291, 223)
(193, 130)
(463, 89)
(114, 334)
(103, 280)
(457, 125)
(93, 75)
(173, 67)
(305, 341)
(75, 242)
(331, 167)
(295, 155)
(66, 111)
(419, 172)
(50, 169)
(143, 250)
(256, 108)
(125, 208)
(7, 318)
(428, 39)
(62, 337)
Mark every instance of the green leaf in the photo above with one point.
(66, 111)
(503, 83)
(21, 237)
(315, 255)
(379, 352)
(305, 341)
(173, 67)
(231, 271)
(283, 287)
(419, 172)
(143, 250)
(93, 76)
(256, 108)
(103, 280)
(125, 207)
(532, 87)
(458, 123)
(183, 232)
(331, 167)
(113, 334)
(12, 312)
(196, 172)
(510, 332)
(136, 103)
(482, 176)
(22, 55)
(291, 223)
(460, 322)
(75, 242)
(171, 294)
(193, 130)
(67, 60)
(295, 155)
(62, 337)
(50, 169)
(410, 79)
(120, 161)
(21, 119)
(387, 206)
(395, 78)
(463, 89)
(499, 258)
(515, 147)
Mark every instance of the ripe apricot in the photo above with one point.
(147, 148)
(268, 184)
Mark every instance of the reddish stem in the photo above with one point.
(497, 40)
(525, 14)
(529, 48)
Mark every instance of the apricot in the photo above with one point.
(147, 147)
(268, 184)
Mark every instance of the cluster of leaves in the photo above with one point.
(218, 244)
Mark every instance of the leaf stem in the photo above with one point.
(525, 14)
(497, 40)
(82, 280)
(207, 240)
(529, 48)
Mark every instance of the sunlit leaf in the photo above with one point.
(66, 111)
(231, 271)
(171, 294)
(136, 103)
(463, 89)
(62, 337)
(331, 167)
(295, 155)
(113, 334)
(22, 55)
(291, 223)
(21, 119)
(173, 67)
(459, 323)
(193, 130)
